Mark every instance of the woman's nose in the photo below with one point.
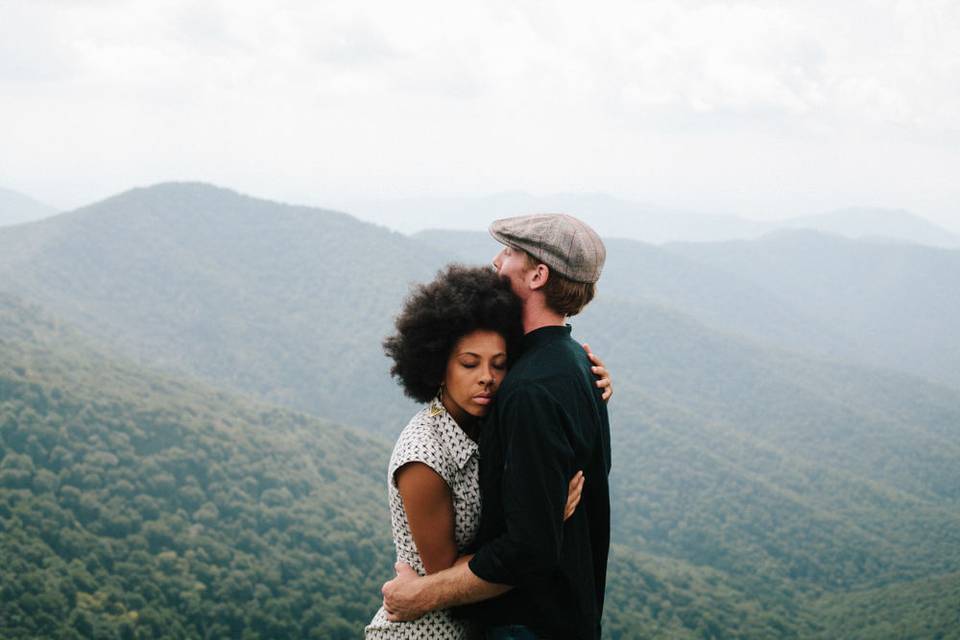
(486, 375)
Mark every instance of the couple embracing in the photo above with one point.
(516, 420)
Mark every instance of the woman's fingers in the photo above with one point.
(574, 493)
(603, 374)
(605, 382)
(599, 370)
(594, 358)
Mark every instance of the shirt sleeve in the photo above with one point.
(538, 465)
(417, 443)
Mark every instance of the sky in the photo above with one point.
(760, 109)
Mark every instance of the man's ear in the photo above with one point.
(540, 276)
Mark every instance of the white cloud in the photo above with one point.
(798, 104)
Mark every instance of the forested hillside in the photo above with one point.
(133, 505)
(765, 485)
(257, 296)
(896, 304)
(137, 506)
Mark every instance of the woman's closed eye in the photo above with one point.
(472, 361)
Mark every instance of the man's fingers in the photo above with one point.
(396, 616)
(404, 570)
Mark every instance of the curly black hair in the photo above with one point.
(436, 315)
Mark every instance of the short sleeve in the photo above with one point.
(419, 443)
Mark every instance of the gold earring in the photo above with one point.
(437, 406)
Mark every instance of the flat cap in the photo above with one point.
(563, 243)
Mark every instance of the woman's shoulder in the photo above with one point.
(419, 441)
(418, 429)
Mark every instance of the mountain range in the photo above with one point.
(616, 217)
(770, 479)
(16, 208)
(887, 305)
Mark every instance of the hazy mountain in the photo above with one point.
(895, 304)
(650, 273)
(798, 290)
(878, 224)
(618, 218)
(16, 208)
(138, 505)
(750, 483)
(261, 297)
(611, 217)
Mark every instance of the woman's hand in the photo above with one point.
(574, 491)
(604, 381)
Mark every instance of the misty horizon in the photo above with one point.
(653, 224)
(762, 111)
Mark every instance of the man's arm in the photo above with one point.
(408, 596)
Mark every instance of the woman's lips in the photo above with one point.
(483, 399)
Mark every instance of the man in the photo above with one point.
(539, 577)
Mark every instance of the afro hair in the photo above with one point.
(436, 315)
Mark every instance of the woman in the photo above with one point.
(454, 340)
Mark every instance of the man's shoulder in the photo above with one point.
(523, 390)
(546, 365)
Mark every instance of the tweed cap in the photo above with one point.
(563, 243)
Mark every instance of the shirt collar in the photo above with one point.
(455, 439)
(544, 335)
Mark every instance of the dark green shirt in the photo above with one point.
(547, 423)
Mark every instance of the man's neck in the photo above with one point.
(537, 316)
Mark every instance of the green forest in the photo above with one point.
(194, 432)
(137, 507)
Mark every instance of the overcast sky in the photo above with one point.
(763, 109)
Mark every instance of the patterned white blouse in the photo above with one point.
(433, 438)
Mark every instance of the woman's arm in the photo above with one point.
(428, 504)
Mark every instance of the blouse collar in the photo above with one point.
(455, 439)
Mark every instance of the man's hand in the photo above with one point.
(409, 596)
(401, 596)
